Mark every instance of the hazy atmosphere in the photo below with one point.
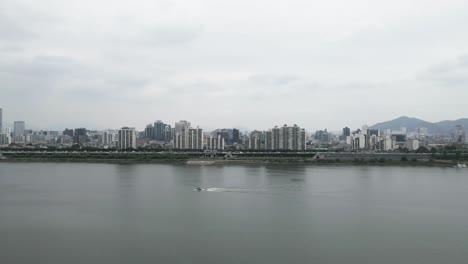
(252, 64)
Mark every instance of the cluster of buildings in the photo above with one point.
(291, 138)
(182, 135)
(387, 140)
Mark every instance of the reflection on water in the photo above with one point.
(284, 170)
(127, 190)
(126, 176)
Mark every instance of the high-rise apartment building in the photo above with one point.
(216, 143)
(80, 136)
(168, 133)
(322, 136)
(254, 143)
(189, 138)
(68, 132)
(235, 135)
(5, 138)
(126, 138)
(19, 127)
(255, 140)
(275, 136)
(159, 131)
(268, 140)
(149, 131)
(285, 138)
(107, 138)
(346, 132)
(181, 125)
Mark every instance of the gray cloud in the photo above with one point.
(40, 66)
(11, 49)
(271, 79)
(450, 74)
(10, 31)
(220, 63)
(171, 35)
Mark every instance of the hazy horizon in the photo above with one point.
(221, 64)
(240, 127)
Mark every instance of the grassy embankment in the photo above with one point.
(183, 158)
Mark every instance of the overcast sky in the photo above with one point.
(241, 63)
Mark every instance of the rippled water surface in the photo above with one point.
(110, 213)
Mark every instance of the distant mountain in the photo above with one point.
(448, 125)
(411, 123)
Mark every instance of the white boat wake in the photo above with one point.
(251, 190)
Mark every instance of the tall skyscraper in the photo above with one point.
(235, 135)
(19, 127)
(346, 132)
(127, 138)
(159, 130)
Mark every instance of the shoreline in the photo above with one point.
(223, 162)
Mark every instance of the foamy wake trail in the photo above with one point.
(234, 190)
(243, 190)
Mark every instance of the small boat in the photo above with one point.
(460, 166)
(198, 189)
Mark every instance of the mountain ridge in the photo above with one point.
(411, 123)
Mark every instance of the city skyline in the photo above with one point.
(225, 64)
(178, 124)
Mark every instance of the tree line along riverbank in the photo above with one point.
(198, 158)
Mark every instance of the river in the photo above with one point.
(110, 213)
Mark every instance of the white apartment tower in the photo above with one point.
(126, 138)
(5, 137)
(216, 143)
(285, 138)
(180, 125)
(189, 138)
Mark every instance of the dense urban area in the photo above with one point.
(183, 140)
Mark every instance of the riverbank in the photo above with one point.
(426, 163)
(183, 160)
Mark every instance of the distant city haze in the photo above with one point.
(223, 64)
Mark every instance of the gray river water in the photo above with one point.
(111, 213)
